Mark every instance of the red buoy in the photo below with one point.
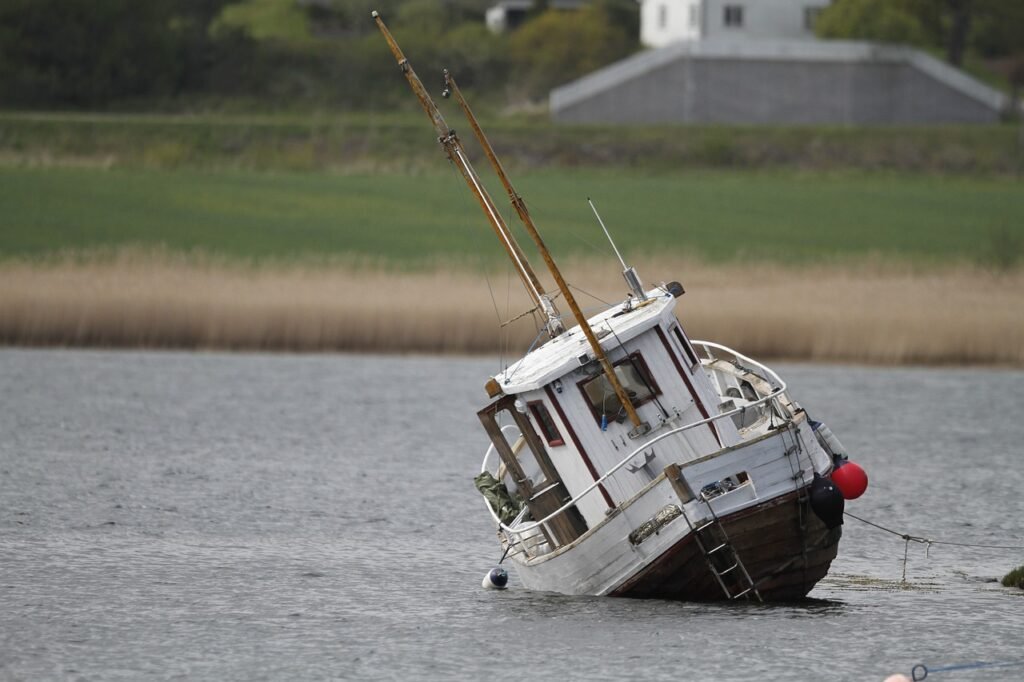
(850, 479)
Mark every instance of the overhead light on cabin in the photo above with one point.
(557, 384)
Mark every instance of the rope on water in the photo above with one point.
(928, 542)
(921, 671)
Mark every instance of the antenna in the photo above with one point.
(628, 273)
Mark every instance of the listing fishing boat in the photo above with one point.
(626, 459)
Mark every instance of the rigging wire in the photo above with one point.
(587, 293)
(477, 238)
(466, 226)
(497, 314)
(587, 242)
(507, 338)
(529, 350)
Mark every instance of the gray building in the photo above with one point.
(778, 82)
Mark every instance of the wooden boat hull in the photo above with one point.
(784, 546)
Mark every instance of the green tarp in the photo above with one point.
(506, 505)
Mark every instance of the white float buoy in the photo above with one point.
(496, 579)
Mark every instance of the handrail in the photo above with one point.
(771, 396)
(487, 455)
(740, 356)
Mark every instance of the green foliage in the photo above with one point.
(266, 19)
(427, 16)
(624, 14)
(87, 53)
(999, 29)
(394, 139)
(1015, 578)
(889, 21)
(96, 50)
(95, 54)
(477, 58)
(994, 28)
(557, 47)
(1003, 249)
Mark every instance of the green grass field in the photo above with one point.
(412, 220)
(400, 140)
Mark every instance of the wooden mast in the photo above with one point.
(453, 148)
(524, 215)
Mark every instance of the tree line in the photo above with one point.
(989, 30)
(98, 54)
(172, 54)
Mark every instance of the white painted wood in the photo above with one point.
(603, 558)
(775, 451)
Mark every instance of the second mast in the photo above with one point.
(453, 148)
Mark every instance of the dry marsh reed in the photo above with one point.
(861, 313)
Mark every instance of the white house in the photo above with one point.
(667, 21)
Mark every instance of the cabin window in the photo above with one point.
(684, 342)
(734, 16)
(546, 423)
(662, 16)
(636, 380)
(694, 15)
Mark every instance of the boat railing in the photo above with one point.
(515, 534)
(739, 360)
(505, 430)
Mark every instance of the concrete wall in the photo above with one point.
(846, 83)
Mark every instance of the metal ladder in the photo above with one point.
(722, 559)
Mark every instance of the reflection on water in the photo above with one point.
(239, 517)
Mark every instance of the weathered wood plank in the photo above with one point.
(768, 541)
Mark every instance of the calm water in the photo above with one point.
(215, 516)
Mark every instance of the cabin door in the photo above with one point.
(543, 493)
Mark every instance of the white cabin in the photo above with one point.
(574, 423)
(667, 21)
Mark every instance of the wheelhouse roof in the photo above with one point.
(561, 355)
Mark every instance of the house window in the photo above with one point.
(546, 423)
(662, 16)
(811, 15)
(635, 379)
(734, 16)
(694, 15)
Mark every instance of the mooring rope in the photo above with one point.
(928, 542)
(921, 671)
